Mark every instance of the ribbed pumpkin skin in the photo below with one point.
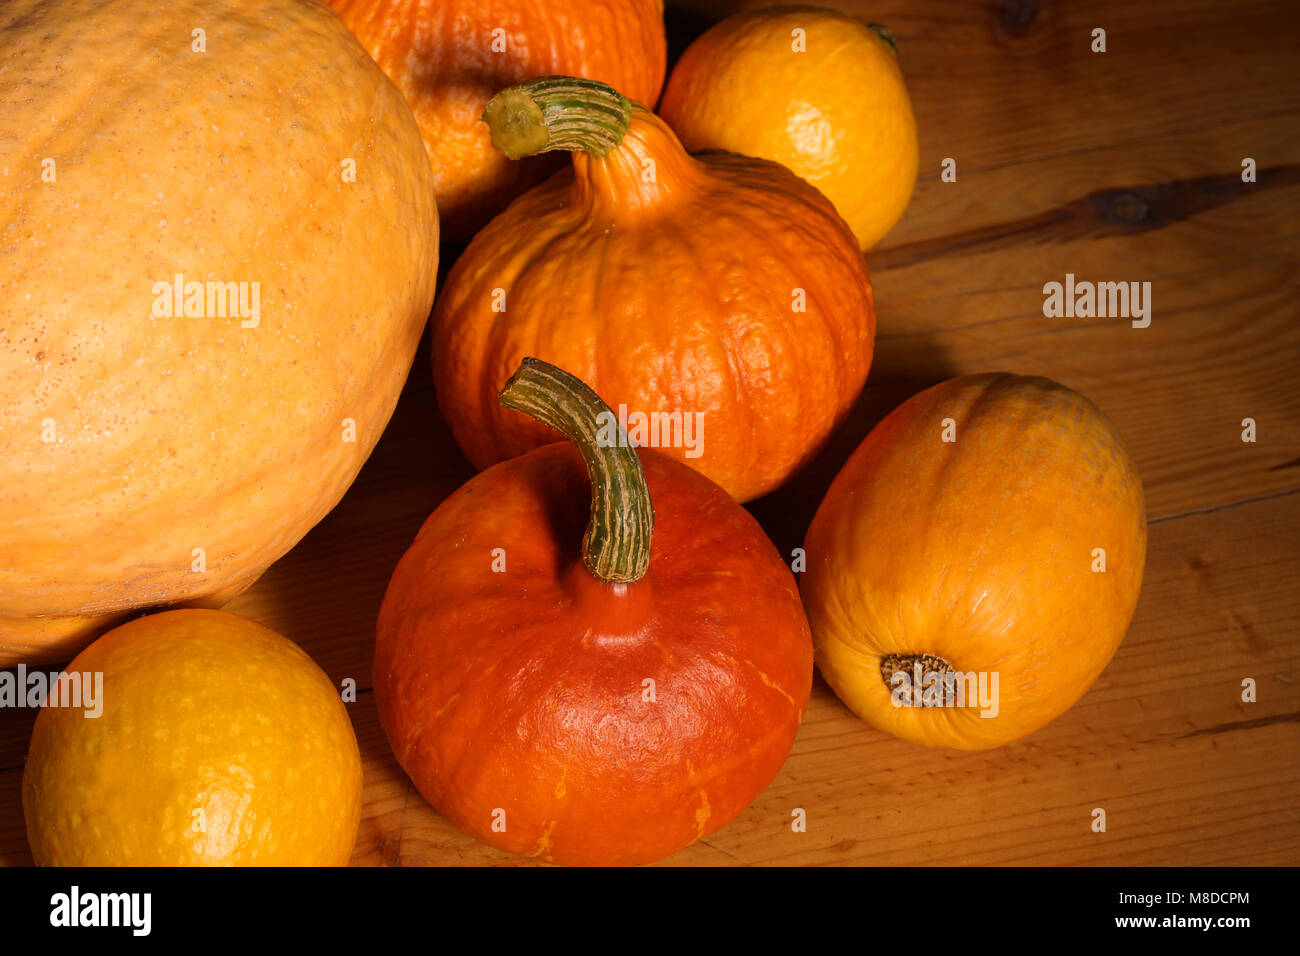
(439, 52)
(980, 552)
(523, 690)
(176, 434)
(675, 295)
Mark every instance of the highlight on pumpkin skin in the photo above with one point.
(574, 704)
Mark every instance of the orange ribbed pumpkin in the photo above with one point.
(607, 704)
(1016, 549)
(722, 290)
(215, 267)
(450, 56)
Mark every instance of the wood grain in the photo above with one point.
(1116, 166)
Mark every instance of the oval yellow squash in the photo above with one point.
(976, 562)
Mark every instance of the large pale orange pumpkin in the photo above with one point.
(717, 302)
(450, 56)
(597, 697)
(160, 447)
(1015, 549)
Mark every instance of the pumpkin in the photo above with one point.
(449, 57)
(717, 302)
(977, 561)
(813, 89)
(596, 696)
(193, 738)
(219, 253)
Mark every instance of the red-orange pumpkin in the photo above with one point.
(607, 704)
(449, 56)
(719, 289)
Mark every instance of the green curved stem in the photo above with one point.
(616, 545)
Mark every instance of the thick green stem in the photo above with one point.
(557, 112)
(616, 546)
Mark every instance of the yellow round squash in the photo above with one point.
(192, 738)
(815, 90)
(218, 249)
(975, 564)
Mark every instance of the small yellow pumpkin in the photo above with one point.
(977, 561)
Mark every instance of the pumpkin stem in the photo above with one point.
(892, 664)
(557, 112)
(616, 546)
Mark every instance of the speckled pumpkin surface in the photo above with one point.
(160, 447)
(218, 742)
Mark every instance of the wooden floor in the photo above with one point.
(1115, 167)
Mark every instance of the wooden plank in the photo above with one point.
(1177, 392)
(1017, 82)
(1073, 195)
(1122, 166)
